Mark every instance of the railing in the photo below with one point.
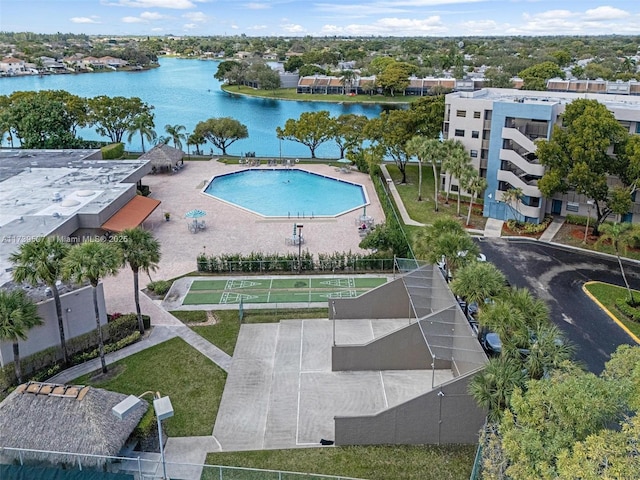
(147, 469)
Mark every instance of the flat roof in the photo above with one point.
(547, 97)
(56, 192)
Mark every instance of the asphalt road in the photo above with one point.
(556, 275)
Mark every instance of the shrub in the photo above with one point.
(113, 151)
(160, 287)
(629, 311)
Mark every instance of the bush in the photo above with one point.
(577, 220)
(629, 311)
(160, 287)
(529, 228)
(113, 151)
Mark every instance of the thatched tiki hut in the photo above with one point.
(164, 158)
(63, 418)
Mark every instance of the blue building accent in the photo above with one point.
(501, 111)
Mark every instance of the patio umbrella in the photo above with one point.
(344, 160)
(195, 213)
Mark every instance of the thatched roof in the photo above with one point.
(65, 418)
(163, 156)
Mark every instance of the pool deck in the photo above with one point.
(229, 229)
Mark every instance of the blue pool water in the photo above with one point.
(287, 193)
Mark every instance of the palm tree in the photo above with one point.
(196, 140)
(140, 250)
(535, 310)
(456, 161)
(475, 186)
(18, 314)
(547, 350)
(465, 177)
(511, 197)
(621, 236)
(477, 282)
(346, 79)
(40, 261)
(142, 124)
(90, 261)
(175, 132)
(492, 388)
(427, 148)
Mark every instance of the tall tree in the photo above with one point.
(455, 163)
(176, 132)
(348, 132)
(142, 124)
(18, 314)
(477, 282)
(433, 151)
(311, 129)
(221, 132)
(346, 80)
(91, 261)
(113, 116)
(578, 157)
(512, 198)
(536, 76)
(141, 251)
(475, 185)
(390, 133)
(40, 261)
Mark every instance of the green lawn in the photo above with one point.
(224, 334)
(424, 211)
(607, 295)
(176, 369)
(369, 462)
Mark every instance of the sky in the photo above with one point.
(439, 18)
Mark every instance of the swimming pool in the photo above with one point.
(288, 193)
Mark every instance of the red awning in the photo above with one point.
(132, 214)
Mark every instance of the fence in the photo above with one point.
(389, 206)
(141, 468)
(349, 263)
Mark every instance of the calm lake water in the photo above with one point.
(184, 92)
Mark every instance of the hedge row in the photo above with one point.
(257, 262)
(632, 313)
(118, 332)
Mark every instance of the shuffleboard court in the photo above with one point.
(279, 290)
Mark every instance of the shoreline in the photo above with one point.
(325, 100)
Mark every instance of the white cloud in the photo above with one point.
(132, 20)
(173, 4)
(84, 20)
(196, 16)
(258, 27)
(606, 13)
(189, 26)
(152, 16)
(256, 6)
(293, 28)
(391, 26)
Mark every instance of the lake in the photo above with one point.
(184, 92)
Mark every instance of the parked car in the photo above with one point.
(491, 343)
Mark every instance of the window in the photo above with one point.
(476, 114)
(475, 134)
(459, 133)
(487, 115)
(474, 153)
(461, 113)
(484, 153)
(573, 206)
(454, 188)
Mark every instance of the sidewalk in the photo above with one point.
(550, 232)
(396, 196)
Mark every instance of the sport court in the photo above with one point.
(279, 290)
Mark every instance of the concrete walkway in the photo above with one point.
(552, 230)
(396, 196)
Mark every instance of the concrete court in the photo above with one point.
(281, 392)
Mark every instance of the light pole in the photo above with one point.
(300, 248)
(586, 229)
(163, 409)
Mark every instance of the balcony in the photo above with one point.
(521, 208)
(530, 189)
(530, 168)
(519, 138)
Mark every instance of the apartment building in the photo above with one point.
(499, 128)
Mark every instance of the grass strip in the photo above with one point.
(451, 462)
(607, 295)
(175, 369)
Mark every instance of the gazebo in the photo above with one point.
(163, 158)
(64, 418)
